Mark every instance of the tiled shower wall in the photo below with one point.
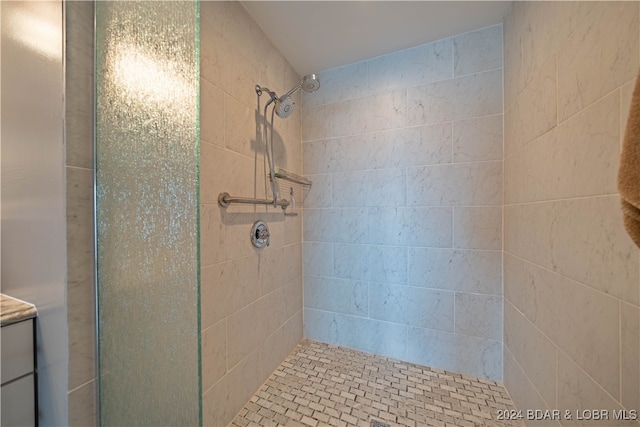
(80, 239)
(251, 299)
(572, 288)
(403, 224)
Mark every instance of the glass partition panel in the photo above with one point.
(147, 145)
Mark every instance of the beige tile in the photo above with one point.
(534, 352)
(514, 27)
(80, 276)
(600, 55)
(630, 356)
(227, 287)
(241, 134)
(212, 113)
(524, 394)
(477, 228)
(547, 27)
(214, 353)
(456, 99)
(561, 165)
(83, 409)
(580, 321)
(478, 51)
(602, 256)
(578, 392)
(534, 110)
(478, 139)
(248, 327)
(626, 93)
(79, 86)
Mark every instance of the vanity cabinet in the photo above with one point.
(18, 372)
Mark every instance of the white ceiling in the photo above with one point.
(318, 35)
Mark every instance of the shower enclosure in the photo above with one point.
(147, 216)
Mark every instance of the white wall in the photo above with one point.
(33, 186)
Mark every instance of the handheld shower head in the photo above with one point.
(284, 106)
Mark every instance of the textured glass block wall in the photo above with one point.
(147, 137)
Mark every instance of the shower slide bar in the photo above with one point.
(225, 199)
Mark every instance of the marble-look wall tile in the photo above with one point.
(477, 139)
(373, 336)
(338, 85)
(477, 228)
(460, 353)
(456, 99)
(398, 148)
(478, 315)
(212, 103)
(580, 321)
(345, 225)
(250, 326)
(369, 188)
(602, 256)
(251, 299)
(523, 393)
(227, 287)
(227, 68)
(411, 67)
(463, 184)
(211, 235)
(320, 193)
(545, 30)
(240, 128)
(336, 295)
(83, 405)
(626, 94)
(343, 154)
(535, 353)
(79, 87)
(80, 276)
(539, 171)
(375, 113)
(318, 259)
(601, 55)
(224, 399)
(386, 264)
(513, 28)
(578, 392)
(478, 51)
(421, 226)
(534, 111)
(424, 308)
(455, 270)
(386, 186)
(630, 355)
(214, 353)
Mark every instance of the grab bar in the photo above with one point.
(224, 200)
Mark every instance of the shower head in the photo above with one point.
(310, 83)
(284, 106)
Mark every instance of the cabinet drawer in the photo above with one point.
(18, 400)
(17, 350)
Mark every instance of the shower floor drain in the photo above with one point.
(376, 423)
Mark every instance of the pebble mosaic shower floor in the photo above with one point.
(327, 385)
